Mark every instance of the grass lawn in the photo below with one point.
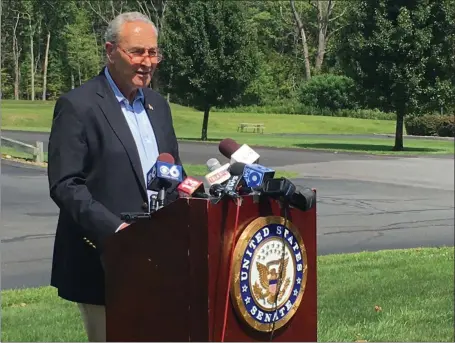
(37, 116)
(191, 169)
(397, 295)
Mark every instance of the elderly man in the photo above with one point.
(105, 137)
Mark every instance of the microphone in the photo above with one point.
(163, 175)
(213, 164)
(190, 187)
(276, 188)
(256, 174)
(216, 190)
(236, 153)
(303, 199)
(230, 188)
(300, 197)
(218, 173)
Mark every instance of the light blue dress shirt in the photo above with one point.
(140, 126)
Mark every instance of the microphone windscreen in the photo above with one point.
(213, 164)
(237, 168)
(165, 157)
(228, 146)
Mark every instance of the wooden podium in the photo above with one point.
(167, 277)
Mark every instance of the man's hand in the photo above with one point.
(122, 226)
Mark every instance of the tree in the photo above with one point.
(324, 20)
(210, 53)
(401, 55)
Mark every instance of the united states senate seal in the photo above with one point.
(269, 273)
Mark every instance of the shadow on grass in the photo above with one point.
(364, 147)
(199, 140)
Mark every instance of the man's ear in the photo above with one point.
(109, 50)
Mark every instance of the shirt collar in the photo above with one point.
(120, 97)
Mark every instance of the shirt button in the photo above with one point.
(145, 206)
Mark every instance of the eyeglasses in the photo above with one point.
(137, 55)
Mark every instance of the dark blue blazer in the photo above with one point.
(94, 174)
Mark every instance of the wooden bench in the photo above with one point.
(256, 127)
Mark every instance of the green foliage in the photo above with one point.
(210, 53)
(56, 76)
(247, 55)
(326, 91)
(400, 54)
(297, 108)
(280, 69)
(431, 125)
(7, 83)
(81, 50)
(447, 127)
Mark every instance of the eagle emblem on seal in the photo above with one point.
(269, 275)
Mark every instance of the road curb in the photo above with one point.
(20, 164)
(416, 137)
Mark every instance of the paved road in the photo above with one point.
(365, 203)
(197, 152)
(32, 137)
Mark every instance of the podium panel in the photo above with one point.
(168, 277)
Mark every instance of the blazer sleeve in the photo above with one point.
(68, 158)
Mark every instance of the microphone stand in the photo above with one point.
(153, 203)
(160, 198)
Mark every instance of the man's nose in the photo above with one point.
(147, 62)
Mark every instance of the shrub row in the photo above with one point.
(300, 109)
(326, 95)
(431, 125)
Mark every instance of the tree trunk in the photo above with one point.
(32, 61)
(399, 132)
(205, 124)
(16, 78)
(79, 72)
(16, 53)
(301, 29)
(324, 11)
(321, 51)
(46, 56)
(1, 64)
(72, 80)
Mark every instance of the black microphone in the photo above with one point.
(230, 186)
(278, 188)
(300, 197)
(162, 176)
(303, 198)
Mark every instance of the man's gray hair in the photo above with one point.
(114, 27)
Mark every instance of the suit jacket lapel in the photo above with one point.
(114, 115)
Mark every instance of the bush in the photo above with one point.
(447, 127)
(431, 125)
(327, 91)
(366, 114)
(292, 107)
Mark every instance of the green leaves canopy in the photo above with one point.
(210, 53)
(398, 52)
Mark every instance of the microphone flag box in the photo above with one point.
(256, 174)
(244, 155)
(163, 172)
(218, 175)
(189, 186)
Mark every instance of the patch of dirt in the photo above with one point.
(23, 160)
